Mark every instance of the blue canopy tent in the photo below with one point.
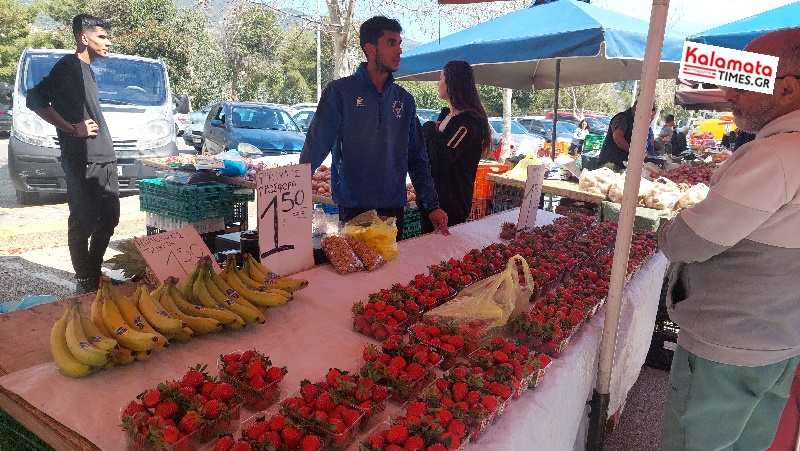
(522, 49)
(738, 34)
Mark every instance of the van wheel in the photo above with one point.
(27, 197)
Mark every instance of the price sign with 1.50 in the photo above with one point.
(174, 253)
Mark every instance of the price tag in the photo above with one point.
(174, 253)
(284, 218)
(530, 202)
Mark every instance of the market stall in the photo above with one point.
(313, 333)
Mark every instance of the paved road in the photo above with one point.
(34, 258)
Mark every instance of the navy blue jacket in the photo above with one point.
(375, 140)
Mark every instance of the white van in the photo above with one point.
(137, 105)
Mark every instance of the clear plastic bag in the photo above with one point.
(380, 234)
(341, 255)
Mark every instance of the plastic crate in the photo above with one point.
(508, 196)
(166, 223)
(237, 221)
(480, 208)
(561, 147)
(15, 437)
(483, 187)
(565, 210)
(593, 142)
(411, 223)
(191, 203)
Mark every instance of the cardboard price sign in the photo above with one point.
(284, 218)
(174, 253)
(530, 202)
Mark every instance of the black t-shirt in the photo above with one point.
(71, 89)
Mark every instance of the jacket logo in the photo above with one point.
(397, 107)
(359, 101)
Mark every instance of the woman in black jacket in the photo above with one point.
(455, 143)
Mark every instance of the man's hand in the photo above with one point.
(439, 219)
(87, 128)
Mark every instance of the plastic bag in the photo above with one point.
(341, 255)
(380, 234)
(235, 165)
(691, 196)
(597, 181)
(366, 254)
(520, 170)
(486, 304)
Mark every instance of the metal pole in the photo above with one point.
(319, 52)
(598, 415)
(555, 111)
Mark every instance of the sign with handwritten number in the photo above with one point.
(174, 253)
(285, 209)
(530, 201)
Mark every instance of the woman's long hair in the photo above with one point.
(460, 82)
(583, 121)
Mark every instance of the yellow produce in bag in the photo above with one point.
(380, 234)
(487, 304)
(520, 170)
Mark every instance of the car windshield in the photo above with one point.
(516, 128)
(120, 81)
(262, 118)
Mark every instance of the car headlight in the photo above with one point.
(247, 149)
(156, 133)
(30, 129)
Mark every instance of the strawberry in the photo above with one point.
(490, 402)
(275, 374)
(224, 443)
(310, 443)
(274, 438)
(416, 371)
(212, 410)
(416, 408)
(414, 443)
(248, 355)
(207, 389)
(500, 357)
(291, 437)
(331, 377)
(242, 446)
(224, 392)
(459, 390)
(277, 422)
(171, 433)
(325, 403)
(151, 398)
(398, 362)
(190, 422)
(379, 393)
(350, 417)
(472, 397)
(398, 434)
(376, 441)
(193, 378)
(457, 427)
(436, 447)
(133, 408)
(444, 416)
(308, 391)
(256, 430)
(232, 357)
(166, 409)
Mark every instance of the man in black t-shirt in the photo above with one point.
(68, 98)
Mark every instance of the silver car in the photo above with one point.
(523, 143)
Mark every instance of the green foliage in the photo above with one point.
(62, 11)
(14, 19)
(426, 94)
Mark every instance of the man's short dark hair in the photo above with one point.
(372, 30)
(669, 118)
(85, 22)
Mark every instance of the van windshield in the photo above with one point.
(120, 81)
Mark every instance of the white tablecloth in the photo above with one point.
(314, 332)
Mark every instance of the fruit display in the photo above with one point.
(508, 368)
(181, 414)
(691, 175)
(321, 184)
(264, 433)
(446, 341)
(253, 376)
(402, 366)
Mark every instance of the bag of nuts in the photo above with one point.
(341, 255)
(366, 254)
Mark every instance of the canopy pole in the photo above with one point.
(598, 415)
(555, 111)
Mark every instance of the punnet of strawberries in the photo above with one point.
(400, 365)
(444, 340)
(254, 377)
(508, 366)
(175, 414)
(261, 433)
(361, 393)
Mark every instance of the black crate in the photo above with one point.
(238, 219)
(507, 197)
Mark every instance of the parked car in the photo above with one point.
(181, 122)
(426, 115)
(300, 106)
(269, 128)
(193, 136)
(5, 120)
(544, 128)
(199, 116)
(304, 116)
(595, 125)
(522, 142)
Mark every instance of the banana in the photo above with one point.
(225, 317)
(133, 317)
(187, 285)
(236, 304)
(127, 337)
(95, 335)
(155, 314)
(97, 315)
(198, 324)
(124, 356)
(257, 298)
(259, 285)
(273, 280)
(183, 336)
(79, 345)
(143, 355)
(204, 298)
(65, 361)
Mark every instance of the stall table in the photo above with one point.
(313, 333)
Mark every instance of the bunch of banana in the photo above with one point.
(207, 291)
(257, 294)
(107, 314)
(159, 318)
(260, 273)
(194, 320)
(195, 290)
(77, 347)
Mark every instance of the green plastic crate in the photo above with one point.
(411, 223)
(191, 203)
(593, 142)
(15, 437)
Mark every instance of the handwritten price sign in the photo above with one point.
(533, 191)
(284, 218)
(174, 253)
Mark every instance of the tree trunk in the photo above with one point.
(505, 148)
(341, 16)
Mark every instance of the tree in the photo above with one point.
(426, 94)
(340, 13)
(14, 19)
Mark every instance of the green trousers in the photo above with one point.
(713, 406)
